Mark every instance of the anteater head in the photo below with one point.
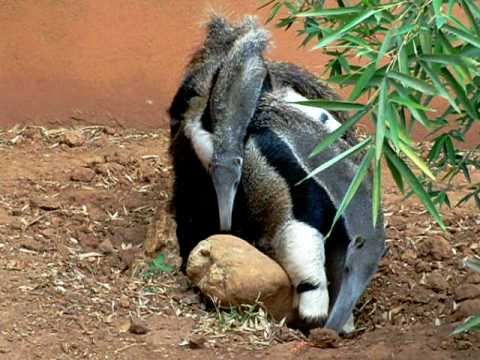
(232, 105)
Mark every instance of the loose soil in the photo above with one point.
(76, 206)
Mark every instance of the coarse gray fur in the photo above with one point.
(269, 205)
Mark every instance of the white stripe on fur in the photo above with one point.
(314, 113)
(202, 141)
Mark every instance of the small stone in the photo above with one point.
(82, 174)
(196, 342)
(409, 256)
(73, 138)
(138, 328)
(45, 203)
(437, 282)
(109, 130)
(467, 291)
(124, 301)
(127, 257)
(106, 247)
(5, 218)
(233, 271)
(88, 240)
(467, 308)
(94, 160)
(473, 278)
(34, 245)
(438, 248)
(324, 338)
(109, 168)
(422, 266)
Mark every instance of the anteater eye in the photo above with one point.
(238, 161)
(359, 241)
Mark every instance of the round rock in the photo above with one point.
(234, 272)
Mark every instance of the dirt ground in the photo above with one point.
(75, 208)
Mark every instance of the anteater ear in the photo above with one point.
(240, 80)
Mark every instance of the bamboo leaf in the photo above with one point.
(415, 184)
(339, 157)
(412, 82)
(385, 46)
(450, 60)
(460, 93)
(332, 105)
(363, 81)
(472, 322)
(440, 87)
(412, 155)
(377, 193)
(397, 177)
(354, 186)
(381, 114)
(419, 115)
(465, 36)
(331, 12)
(274, 12)
(473, 264)
(332, 137)
(408, 102)
(345, 29)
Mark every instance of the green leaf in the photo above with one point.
(450, 60)
(381, 114)
(416, 160)
(332, 105)
(363, 81)
(331, 12)
(397, 177)
(385, 46)
(465, 36)
(471, 18)
(472, 323)
(157, 266)
(354, 186)
(440, 87)
(473, 264)
(415, 184)
(437, 4)
(345, 29)
(460, 93)
(412, 82)
(274, 12)
(419, 115)
(408, 102)
(339, 157)
(377, 192)
(333, 136)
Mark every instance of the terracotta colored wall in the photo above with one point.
(106, 61)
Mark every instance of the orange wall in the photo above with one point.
(107, 61)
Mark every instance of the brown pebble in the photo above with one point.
(73, 138)
(437, 282)
(324, 338)
(34, 245)
(467, 291)
(106, 247)
(437, 247)
(138, 328)
(196, 342)
(45, 203)
(82, 174)
(467, 308)
(127, 257)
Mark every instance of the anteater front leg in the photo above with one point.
(300, 250)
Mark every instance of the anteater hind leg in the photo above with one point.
(300, 250)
